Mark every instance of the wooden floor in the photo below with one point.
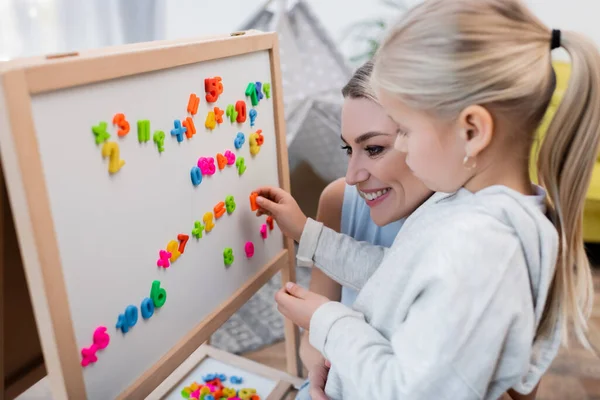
(574, 375)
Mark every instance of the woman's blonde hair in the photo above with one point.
(446, 55)
(359, 86)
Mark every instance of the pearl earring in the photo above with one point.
(466, 161)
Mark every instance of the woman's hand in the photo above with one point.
(298, 304)
(317, 377)
(283, 208)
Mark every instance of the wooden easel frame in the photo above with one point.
(31, 208)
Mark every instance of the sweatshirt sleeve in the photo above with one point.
(435, 351)
(344, 259)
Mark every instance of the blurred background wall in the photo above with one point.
(29, 27)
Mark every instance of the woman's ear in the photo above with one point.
(476, 128)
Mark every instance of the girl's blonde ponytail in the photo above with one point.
(566, 160)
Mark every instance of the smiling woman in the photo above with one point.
(378, 172)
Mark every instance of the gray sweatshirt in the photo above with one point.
(450, 311)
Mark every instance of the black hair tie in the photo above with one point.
(555, 41)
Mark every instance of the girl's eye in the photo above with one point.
(374, 150)
(347, 149)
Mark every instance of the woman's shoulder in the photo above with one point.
(330, 204)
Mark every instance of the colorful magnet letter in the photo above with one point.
(88, 356)
(230, 204)
(198, 229)
(230, 157)
(173, 248)
(208, 222)
(240, 163)
(206, 165)
(143, 130)
(101, 338)
(213, 88)
(163, 260)
(100, 341)
(190, 128)
(249, 248)
(147, 308)
(251, 92)
(218, 115)
(221, 161)
(159, 139)
(120, 121)
(193, 102)
(263, 231)
(270, 222)
(196, 176)
(246, 394)
(240, 107)
(231, 113)
(210, 121)
(260, 139)
(236, 380)
(267, 90)
(178, 131)
(253, 205)
(228, 256)
(128, 319)
(229, 392)
(111, 150)
(100, 133)
(183, 239)
(219, 210)
(252, 114)
(239, 140)
(259, 94)
(256, 141)
(158, 294)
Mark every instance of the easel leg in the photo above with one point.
(291, 331)
(3, 204)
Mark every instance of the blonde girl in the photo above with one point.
(473, 295)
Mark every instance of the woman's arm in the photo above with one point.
(329, 213)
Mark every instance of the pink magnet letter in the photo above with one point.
(249, 249)
(101, 338)
(163, 261)
(88, 355)
(263, 231)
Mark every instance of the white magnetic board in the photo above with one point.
(110, 227)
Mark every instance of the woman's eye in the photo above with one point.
(374, 150)
(347, 149)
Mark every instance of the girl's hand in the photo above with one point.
(298, 304)
(283, 208)
(317, 377)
